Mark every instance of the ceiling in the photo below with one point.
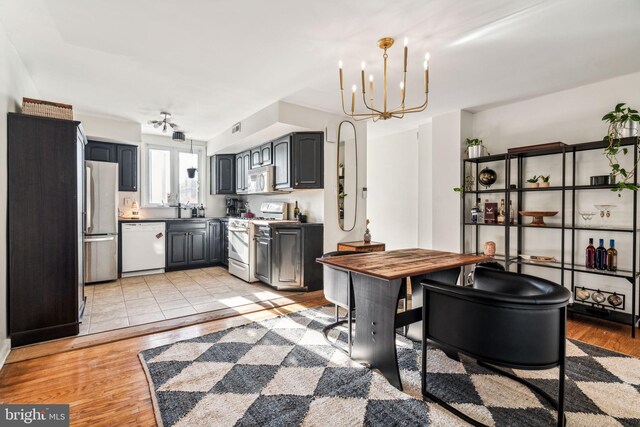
(212, 63)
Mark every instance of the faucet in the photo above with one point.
(180, 208)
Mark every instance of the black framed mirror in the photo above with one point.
(347, 175)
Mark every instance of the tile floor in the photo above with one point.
(144, 299)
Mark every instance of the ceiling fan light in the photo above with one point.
(178, 136)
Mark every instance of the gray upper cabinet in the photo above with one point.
(101, 152)
(261, 156)
(243, 164)
(126, 156)
(127, 167)
(299, 161)
(223, 179)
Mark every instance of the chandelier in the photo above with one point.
(384, 114)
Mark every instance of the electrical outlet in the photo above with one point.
(127, 201)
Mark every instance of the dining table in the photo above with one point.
(378, 278)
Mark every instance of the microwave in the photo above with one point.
(261, 180)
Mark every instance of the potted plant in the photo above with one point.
(623, 122)
(545, 180)
(533, 182)
(474, 148)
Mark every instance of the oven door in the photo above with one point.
(239, 244)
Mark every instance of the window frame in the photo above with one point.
(174, 185)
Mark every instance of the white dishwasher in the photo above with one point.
(143, 247)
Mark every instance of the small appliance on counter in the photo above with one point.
(233, 206)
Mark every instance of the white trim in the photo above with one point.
(5, 349)
(173, 180)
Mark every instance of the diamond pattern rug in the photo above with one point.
(281, 372)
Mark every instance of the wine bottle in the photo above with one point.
(590, 261)
(501, 212)
(512, 216)
(296, 210)
(601, 256)
(612, 257)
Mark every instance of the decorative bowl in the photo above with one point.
(582, 294)
(538, 217)
(615, 300)
(598, 297)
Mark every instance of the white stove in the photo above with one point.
(242, 236)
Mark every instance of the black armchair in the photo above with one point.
(506, 319)
(338, 290)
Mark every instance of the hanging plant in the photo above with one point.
(623, 122)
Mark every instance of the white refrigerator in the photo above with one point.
(101, 222)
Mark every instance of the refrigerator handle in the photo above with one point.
(89, 202)
(99, 239)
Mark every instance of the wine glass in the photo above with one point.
(586, 216)
(605, 212)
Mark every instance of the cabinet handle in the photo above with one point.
(297, 183)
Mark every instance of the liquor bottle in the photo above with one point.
(601, 256)
(501, 212)
(612, 257)
(590, 261)
(296, 210)
(474, 212)
(512, 216)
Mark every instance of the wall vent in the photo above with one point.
(235, 128)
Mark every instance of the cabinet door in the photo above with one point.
(215, 244)
(265, 154)
(101, 152)
(246, 164)
(281, 164)
(222, 174)
(263, 261)
(177, 251)
(224, 243)
(240, 174)
(128, 167)
(287, 257)
(256, 158)
(198, 245)
(308, 160)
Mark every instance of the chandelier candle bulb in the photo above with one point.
(363, 86)
(341, 82)
(406, 53)
(353, 99)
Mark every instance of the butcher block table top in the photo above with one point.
(392, 265)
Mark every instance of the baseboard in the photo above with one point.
(5, 348)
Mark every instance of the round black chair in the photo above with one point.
(338, 290)
(506, 319)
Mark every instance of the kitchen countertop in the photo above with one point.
(125, 220)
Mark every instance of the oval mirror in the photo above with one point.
(347, 173)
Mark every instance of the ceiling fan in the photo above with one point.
(164, 122)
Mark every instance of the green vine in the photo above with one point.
(617, 120)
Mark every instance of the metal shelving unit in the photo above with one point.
(568, 153)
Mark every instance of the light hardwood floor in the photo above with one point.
(105, 384)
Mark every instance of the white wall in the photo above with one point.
(15, 83)
(425, 186)
(392, 202)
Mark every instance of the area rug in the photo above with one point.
(281, 372)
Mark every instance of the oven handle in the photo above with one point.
(238, 230)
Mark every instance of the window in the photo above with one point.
(166, 179)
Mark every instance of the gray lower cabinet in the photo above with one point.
(287, 259)
(224, 242)
(187, 244)
(215, 241)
